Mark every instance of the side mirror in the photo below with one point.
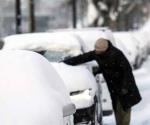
(69, 109)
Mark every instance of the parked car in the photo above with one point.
(31, 91)
(145, 31)
(130, 47)
(84, 91)
(143, 44)
(87, 38)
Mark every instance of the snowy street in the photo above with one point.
(141, 112)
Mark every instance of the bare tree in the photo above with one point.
(31, 16)
(18, 16)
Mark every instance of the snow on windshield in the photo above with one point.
(54, 56)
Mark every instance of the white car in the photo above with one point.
(143, 44)
(80, 83)
(129, 45)
(145, 31)
(31, 91)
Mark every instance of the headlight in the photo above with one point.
(87, 91)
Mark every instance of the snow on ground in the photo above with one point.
(140, 112)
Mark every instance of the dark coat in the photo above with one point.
(117, 73)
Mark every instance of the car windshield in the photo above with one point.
(55, 56)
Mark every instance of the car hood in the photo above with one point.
(76, 78)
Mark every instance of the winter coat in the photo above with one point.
(117, 72)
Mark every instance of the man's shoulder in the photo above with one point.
(118, 52)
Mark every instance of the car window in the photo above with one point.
(55, 56)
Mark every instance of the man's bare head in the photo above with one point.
(101, 45)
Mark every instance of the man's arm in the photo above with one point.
(83, 58)
(96, 70)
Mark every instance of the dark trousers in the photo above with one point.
(122, 117)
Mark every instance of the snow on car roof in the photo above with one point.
(127, 39)
(41, 41)
(89, 35)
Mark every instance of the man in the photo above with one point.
(118, 75)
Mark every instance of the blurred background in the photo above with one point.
(21, 16)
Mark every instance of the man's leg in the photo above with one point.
(122, 117)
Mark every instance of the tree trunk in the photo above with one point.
(31, 16)
(18, 16)
(74, 13)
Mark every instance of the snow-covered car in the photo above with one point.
(87, 38)
(130, 47)
(143, 44)
(144, 32)
(80, 83)
(32, 91)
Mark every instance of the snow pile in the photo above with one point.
(31, 90)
